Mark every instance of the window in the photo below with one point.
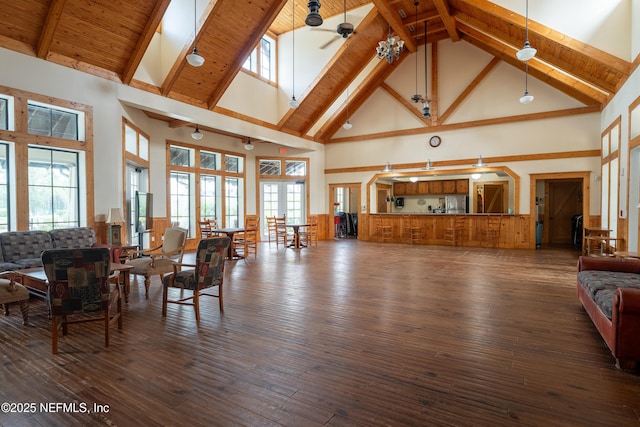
(136, 143)
(205, 184)
(262, 59)
(180, 199)
(48, 121)
(296, 168)
(4, 114)
(270, 167)
(54, 193)
(4, 187)
(45, 168)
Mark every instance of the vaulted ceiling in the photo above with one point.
(109, 38)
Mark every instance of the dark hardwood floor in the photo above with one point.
(345, 333)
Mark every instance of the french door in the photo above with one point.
(282, 198)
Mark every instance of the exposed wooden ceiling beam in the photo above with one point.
(392, 17)
(447, 19)
(145, 39)
(46, 36)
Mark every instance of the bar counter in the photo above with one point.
(515, 231)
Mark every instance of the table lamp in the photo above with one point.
(114, 229)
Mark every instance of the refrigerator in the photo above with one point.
(458, 204)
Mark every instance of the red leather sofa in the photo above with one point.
(609, 290)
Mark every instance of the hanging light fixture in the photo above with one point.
(347, 125)
(196, 134)
(390, 48)
(480, 163)
(194, 59)
(248, 146)
(425, 102)
(527, 52)
(416, 97)
(388, 168)
(526, 98)
(293, 102)
(476, 176)
(313, 19)
(429, 166)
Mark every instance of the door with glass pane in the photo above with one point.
(282, 198)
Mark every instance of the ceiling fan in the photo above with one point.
(344, 29)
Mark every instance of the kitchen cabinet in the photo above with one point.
(462, 186)
(423, 187)
(449, 186)
(400, 189)
(435, 187)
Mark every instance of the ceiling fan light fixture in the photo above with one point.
(426, 113)
(196, 134)
(313, 19)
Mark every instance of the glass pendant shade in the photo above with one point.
(527, 52)
(196, 134)
(526, 98)
(347, 125)
(194, 59)
(293, 102)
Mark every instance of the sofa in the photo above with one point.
(22, 249)
(609, 290)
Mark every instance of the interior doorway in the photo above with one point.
(564, 212)
(344, 203)
(555, 199)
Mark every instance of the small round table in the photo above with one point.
(10, 292)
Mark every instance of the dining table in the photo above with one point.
(296, 242)
(229, 232)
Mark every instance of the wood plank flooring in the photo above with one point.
(345, 333)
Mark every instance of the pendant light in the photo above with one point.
(347, 125)
(416, 97)
(526, 98)
(480, 163)
(248, 146)
(527, 52)
(313, 19)
(194, 59)
(293, 102)
(196, 134)
(425, 106)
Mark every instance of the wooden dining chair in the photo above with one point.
(206, 229)
(310, 234)
(282, 235)
(271, 229)
(246, 242)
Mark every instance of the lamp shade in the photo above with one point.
(114, 215)
(194, 59)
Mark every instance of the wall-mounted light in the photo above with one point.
(429, 166)
(476, 176)
(388, 168)
(480, 163)
(413, 179)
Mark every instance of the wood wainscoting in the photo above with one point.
(514, 229)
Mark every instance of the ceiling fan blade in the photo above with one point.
(327, 44)
(323, 29)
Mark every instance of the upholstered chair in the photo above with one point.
(207, 272)
(80, 290)
(159, 260)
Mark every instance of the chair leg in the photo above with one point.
(220, 298)
(147, 284)
(196, 304)
(54, 335)
(119, 307)
(165, 295)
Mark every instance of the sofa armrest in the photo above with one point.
(628, 300)
(608, 264)
(115, 251)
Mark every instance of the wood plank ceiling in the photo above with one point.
(109, 39)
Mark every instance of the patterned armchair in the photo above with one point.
(160, 259)
(208, 272)
(79, 284)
